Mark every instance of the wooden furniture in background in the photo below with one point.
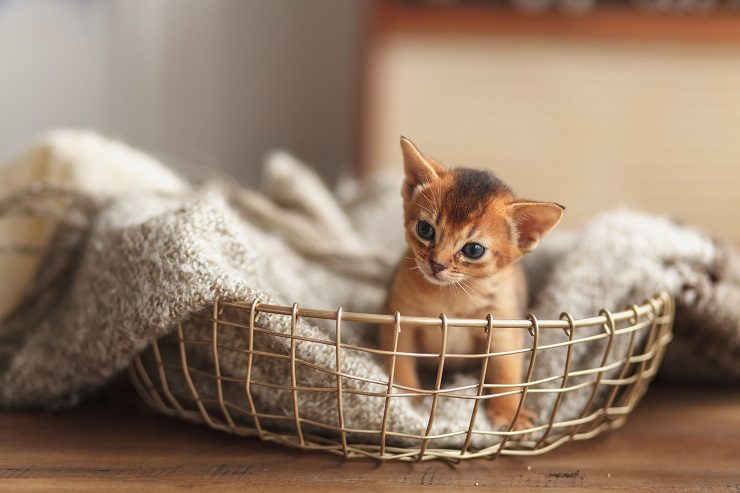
(615, 107)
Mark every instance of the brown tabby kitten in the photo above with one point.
(465, 231)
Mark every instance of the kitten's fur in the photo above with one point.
(463, 206)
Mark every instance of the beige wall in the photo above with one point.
(217, 82)
(592, 125)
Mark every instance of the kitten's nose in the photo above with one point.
(436, 266)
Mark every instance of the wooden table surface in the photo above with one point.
(677, 440)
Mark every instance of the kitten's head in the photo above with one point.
(463, 223)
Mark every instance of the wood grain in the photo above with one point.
(677, 440)
(605, 22)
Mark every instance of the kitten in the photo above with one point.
(465, 232)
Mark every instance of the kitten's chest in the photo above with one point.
(502, 297)
(460, 340)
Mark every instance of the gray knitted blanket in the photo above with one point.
(122, 270)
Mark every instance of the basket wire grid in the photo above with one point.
(623, 381)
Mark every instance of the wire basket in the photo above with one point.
(182, 375)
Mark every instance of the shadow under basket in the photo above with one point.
(252, 370)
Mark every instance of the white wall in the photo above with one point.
(52, 57)
(216, 83)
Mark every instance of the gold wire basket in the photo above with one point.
(174, 380)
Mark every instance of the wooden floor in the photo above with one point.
(677, 440)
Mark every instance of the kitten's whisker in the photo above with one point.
(426, 209)
(471, 288)
(462, 285)
(438, 199)
(459, 283)
(454, 289)
(432, 202)
(428, 201)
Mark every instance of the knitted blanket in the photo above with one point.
(123, 268)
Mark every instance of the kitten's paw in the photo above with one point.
(502, 415)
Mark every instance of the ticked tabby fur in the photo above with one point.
(465, 231)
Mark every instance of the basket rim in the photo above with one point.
(593, 420)
(566, 322)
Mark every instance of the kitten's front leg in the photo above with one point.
(405, 373)
(507, 370)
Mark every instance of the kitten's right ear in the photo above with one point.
(417, 168)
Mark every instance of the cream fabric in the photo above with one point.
(80, 159)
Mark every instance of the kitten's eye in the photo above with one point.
(473, 250)
(425, 230)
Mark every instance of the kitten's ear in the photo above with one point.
(534, 220)
(417, 168)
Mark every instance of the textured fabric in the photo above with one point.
(134, 265)
(80, 159)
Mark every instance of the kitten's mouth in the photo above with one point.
(436, 279)
(440, 278)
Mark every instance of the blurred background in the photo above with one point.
(590, 103)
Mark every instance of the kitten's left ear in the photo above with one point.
(418, 168)
(534, 220)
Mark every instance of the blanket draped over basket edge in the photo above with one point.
(123, 269)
